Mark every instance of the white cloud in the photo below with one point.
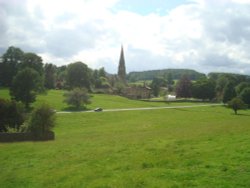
(200, 34)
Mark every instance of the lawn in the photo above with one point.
(195, 147)
(55, 99)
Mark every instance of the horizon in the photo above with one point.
(205, 36)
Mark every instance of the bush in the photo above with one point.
(236, 104)
(12, 115)
(42, 120)
(77, 97)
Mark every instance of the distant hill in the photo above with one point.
(176, 74)
(239, 77)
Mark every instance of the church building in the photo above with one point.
(132, 92)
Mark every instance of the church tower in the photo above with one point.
(122, 68)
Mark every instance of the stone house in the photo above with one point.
(137, 92)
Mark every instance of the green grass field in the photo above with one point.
(194, 147)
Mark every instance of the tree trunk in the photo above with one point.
(235, 111)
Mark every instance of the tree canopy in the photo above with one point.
(77, 97)
(78, 75)
(9, 65)
(26, 84)
(203, 89)
(183, 87)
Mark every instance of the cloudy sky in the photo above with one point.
(205, 35)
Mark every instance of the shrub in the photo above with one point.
(12, 115)
(42, 120)
(236, 104)
(77, 97)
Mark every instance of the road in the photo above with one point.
(146, 108)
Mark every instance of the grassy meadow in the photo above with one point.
(194, 147)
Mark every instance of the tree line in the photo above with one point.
(220, 87)
(175, 73)
(26, 75)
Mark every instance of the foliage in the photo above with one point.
(170, 81)
(203, 89)
(78, 75)
(77, 97)
(183, 87)
(236, 104)
(241, 86)
(12, 115)
(156, 84)
(42, 120)
(99, 79)
(245, 95)
(175, 73)
(9, 65)
(26, 84)
(32, 60)
(229, 92)
(50, 76)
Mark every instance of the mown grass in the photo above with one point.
(195, 147)
(55, 98)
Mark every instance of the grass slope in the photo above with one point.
(198, 147)
(55, 99)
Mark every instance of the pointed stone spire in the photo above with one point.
(122, 68)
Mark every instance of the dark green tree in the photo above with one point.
(12, 115)
(245, 95)
(102, 72)
(170, 81)
(50, 76)
(26, 84)
(34, 61)
(42, 120)
(156, 84)
(183, 87)
(236, 104)
(78, 75)
(78, 97)
(229, 92)
(203, 89)
(240, 87)
(9, 65)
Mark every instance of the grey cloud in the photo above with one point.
(68, 42)
(227, 23)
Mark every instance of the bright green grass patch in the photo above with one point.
(195, 147)
(4, 93)
(55, 98)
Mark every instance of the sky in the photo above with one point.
(204, 35)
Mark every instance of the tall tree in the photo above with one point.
(26, 84)
(245, 95)
(183, 87)
(50, 76)
(34, 61)
(204, 89)
(78, 75)
(9, 65)
(156, 84)
(229, 92)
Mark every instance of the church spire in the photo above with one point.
(121, 68)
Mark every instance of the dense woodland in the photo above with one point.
(176, 74)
